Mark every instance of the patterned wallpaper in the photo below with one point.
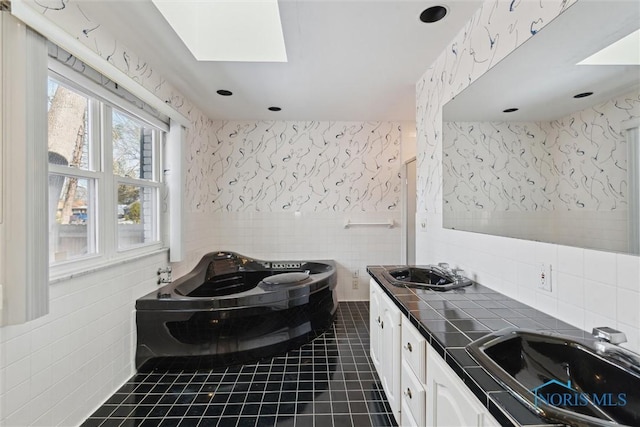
(260, 166)
(493, 166)
(496, 29)
(70, 61)
(86, 28)
(576, 162)
(590, 156)
(297, 166)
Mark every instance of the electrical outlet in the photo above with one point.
(545, 277)
(356, 283)
(421, 222)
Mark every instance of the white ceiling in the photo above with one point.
(347, 60)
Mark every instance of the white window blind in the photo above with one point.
(24, 238)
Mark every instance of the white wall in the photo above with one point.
(58, 369)
(589, 288)
(408, 141)
(246, 181)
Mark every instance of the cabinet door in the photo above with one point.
(450, 402)
(374, 323)
(390, 352)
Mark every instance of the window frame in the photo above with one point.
(102, 102)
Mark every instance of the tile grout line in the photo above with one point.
(337, 370)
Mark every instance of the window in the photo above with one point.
(135, 165)
(104, 176)
(72, 174)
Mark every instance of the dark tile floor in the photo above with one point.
(329, 382)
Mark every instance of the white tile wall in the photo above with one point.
(589, 288)
(605, 230)
(58, 369)
(312, 235)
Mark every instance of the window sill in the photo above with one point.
(85, 269)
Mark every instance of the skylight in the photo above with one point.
(227, 30)
(625, 51)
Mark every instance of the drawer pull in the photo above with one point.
(378, 320)
(408, 393)
(408, 347)
(382, 325)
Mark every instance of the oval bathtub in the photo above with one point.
(231, 309)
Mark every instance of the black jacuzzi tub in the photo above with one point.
(231, 309)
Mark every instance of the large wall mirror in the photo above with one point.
(563, 167)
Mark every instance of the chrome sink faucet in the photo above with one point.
(456, 275)
(455, 272)
(443, 267)
(610, 335)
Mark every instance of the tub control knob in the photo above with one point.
(444, 265)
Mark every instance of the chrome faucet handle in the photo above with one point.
(610, 335)
(444, 265)
(458, 272)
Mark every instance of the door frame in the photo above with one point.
(407, 216)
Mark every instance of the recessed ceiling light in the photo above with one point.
(274, 108)
(510, 110)
(433, 14)
(583, 95)
(224, 92)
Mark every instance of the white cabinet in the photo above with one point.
(421, 388)
(450, 402)
(385, 318)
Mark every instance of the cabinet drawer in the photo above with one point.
(406, 419)
(414, 396)
(414, 349)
